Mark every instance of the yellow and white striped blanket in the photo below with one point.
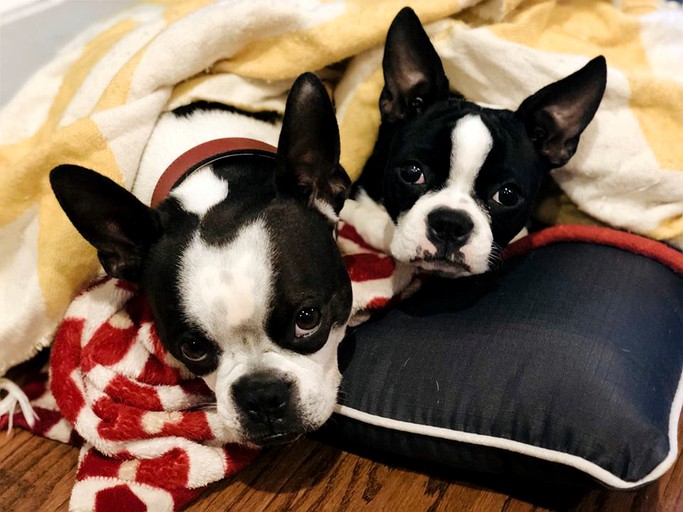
(96, 103)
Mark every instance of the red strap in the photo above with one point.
(599, 235)
(198, 154)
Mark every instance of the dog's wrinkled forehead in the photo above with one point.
(431, 139)
(459, 145)
(228, 287)
(225, 250)
(240, 267)
(447, 144)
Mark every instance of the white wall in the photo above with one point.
(32, 31)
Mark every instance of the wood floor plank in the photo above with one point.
(38, 474)
(31, 469)
(260, 481)
(487, 500)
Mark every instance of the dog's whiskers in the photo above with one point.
(206, 406)
(494, 258)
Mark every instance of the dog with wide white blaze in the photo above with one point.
(450, 182)
(232, 242)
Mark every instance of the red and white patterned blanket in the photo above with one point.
(149, 438)
(377, 279)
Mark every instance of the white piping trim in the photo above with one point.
(566, 459)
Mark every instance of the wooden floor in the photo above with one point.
(37, 475)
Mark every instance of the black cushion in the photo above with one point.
(570, 362)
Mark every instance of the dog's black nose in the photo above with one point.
(451, 227)
(264, 397)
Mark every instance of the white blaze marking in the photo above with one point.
(227, 287)
(200, 191)
(471, 143)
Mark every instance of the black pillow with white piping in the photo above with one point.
(569, 367)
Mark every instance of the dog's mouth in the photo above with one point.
(451, 265)
(278, 439)
(443, 268)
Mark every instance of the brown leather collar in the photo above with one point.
(203, 154)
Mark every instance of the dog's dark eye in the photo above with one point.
(417, 104)
(412, 174)
(507, 195)
(307, 322)
(194, 350)
(538, 134)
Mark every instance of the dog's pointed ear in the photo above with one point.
(413, 74)
(309, 148)
(556, 115)
(109, 217)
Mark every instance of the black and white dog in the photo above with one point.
(239, 261)
(449, 182)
